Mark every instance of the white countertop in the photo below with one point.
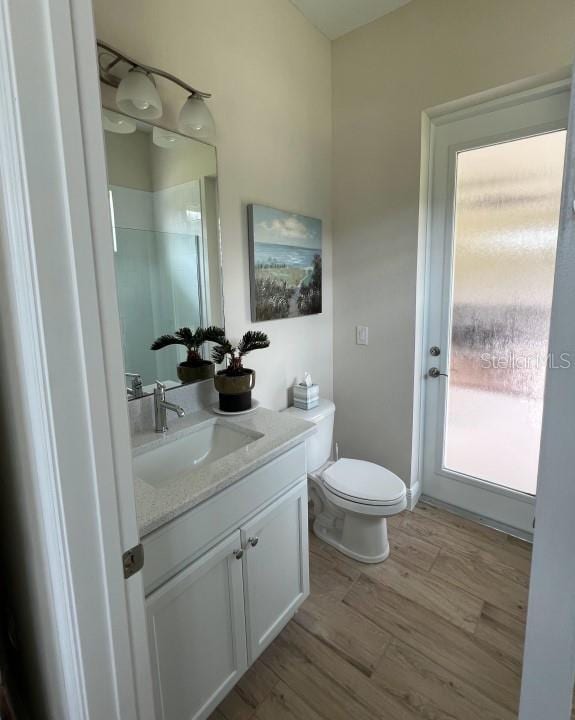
(156, 506)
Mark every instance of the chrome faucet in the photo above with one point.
(161, 405)
(136, 390)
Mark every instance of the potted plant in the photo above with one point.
(235, 383)
(194, 368)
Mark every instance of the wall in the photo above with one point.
(270, 74)
(384, 75)
(129, 160)
(189, 160)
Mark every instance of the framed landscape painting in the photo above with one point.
(285, 264)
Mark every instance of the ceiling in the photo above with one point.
(337, 17)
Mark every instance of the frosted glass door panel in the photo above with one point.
(507, 202)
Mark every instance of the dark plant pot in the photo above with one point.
(235, 390)
(192, 372)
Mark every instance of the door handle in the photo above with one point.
(435, 372)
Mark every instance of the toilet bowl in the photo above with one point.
(351, 498)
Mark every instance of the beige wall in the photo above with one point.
(191, 160)
(270, 74)
(384, 75)
(128, 160)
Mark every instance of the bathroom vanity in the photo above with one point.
(222, 510)
(221, 502)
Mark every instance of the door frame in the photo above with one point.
(550, 638)
(432, 120)
(61, 348)
(549, 656)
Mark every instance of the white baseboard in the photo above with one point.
(413, 495)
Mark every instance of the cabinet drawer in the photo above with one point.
(173, 546)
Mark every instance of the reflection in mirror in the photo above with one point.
(163, 203)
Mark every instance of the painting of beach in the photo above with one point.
(285, 264)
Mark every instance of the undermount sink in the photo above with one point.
(209, 442)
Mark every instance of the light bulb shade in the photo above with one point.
(196, 120)
(116, 123)
(137, 95)
(166, 139)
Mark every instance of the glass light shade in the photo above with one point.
(116, 123)
(166, 139)
(196, 120)
(137, 95)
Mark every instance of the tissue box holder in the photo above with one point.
(305, 397)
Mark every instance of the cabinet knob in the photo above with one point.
(253, 541)
(238, 554)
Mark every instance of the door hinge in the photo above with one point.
(133, 560)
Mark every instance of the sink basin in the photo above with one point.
(209, 442)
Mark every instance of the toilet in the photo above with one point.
(351, 498)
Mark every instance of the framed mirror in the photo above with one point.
(164, 208)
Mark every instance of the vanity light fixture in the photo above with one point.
(137, 94)
(195, 118)
(165, 138)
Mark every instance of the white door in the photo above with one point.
(68, 397)
(196, 624)
(495, 191)
(276, 576)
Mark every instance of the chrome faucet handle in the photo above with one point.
(136, 389)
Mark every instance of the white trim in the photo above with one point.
(501, 96)
(62, 348)
(130, 624)
(497, 99)
(549, 659)
(490, 487)
(422, 292)
(413, 495)
(31, 405)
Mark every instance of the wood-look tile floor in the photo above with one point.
(435, 632)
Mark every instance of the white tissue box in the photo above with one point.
(305, 397)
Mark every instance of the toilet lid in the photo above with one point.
(364, 482)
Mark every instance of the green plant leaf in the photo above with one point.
(220, 351)
(253, 340)
(215, 334)
(166, 340)
(191, 339)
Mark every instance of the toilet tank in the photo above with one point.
(319, 445)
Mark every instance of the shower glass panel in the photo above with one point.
(159, 289)
(507, 200)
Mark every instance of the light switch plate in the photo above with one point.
(361, 334)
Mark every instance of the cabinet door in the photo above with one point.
(276, 567)
(196, 624)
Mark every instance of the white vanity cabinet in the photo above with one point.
(196, 626)
(239, 571)
(275, 567)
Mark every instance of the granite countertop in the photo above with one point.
(276, 432)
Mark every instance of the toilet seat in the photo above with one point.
(364, 483)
